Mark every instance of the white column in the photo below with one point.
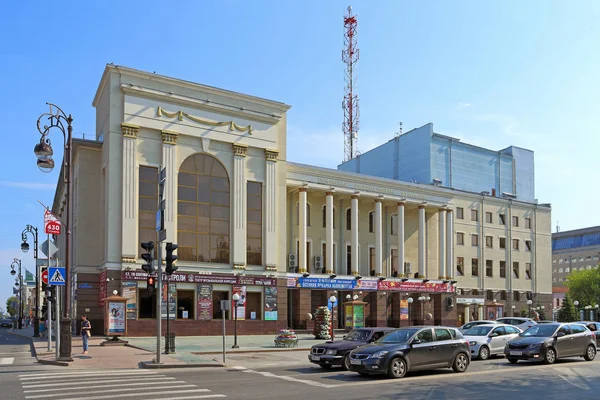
(449, 245)
(422, 269)
(239, 205)
(271, 249)
(169, 140)
(480, 312)
(442, 243)
(302, 262)
(329, 232)
(400, 230)
(467, 313)
(130, 179)
(354, 242)
(378, 239)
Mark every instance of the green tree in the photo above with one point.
(584, 286)
(12, 305)
(567, 313)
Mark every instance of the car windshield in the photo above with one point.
(478, 331)
(541, 330)
(358, 335)
(398, 336)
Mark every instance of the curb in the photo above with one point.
(40, 360)
(151, 365)
(254, 351)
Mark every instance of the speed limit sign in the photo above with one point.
(51, 224)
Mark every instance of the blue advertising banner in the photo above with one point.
(326, 283)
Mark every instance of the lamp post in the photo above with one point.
(25, 247)
(410, 301)
(576, 304)
(596, 312)
(423, 300)
(529, 302)
(17, 263)
(236, 298)
(333, 301)
(513, 310)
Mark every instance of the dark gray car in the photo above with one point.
(411, 349)
(548, 342)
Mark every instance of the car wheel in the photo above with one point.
(325, 366)
(397, 368)
(513, 360)
(484, 353)
(550, 356)
(346, 362)
(461, 362)
(590, 353)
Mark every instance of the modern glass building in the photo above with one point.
(423, 156)
(574, 250)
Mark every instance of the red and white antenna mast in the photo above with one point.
(350, 55)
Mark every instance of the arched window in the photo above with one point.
(325, 217)
(203, 210)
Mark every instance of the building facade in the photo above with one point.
(284, 236)
(423, 156)
(574, 250)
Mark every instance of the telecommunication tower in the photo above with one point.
(350, 55)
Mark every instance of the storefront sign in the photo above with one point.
(129, 291)
(403, 310)
(102, 289)
(326, 283)
(205, 304)
(116, 318)
(418, 286)
(463, 300)
(200, 278)
(348, 318)
(172, 301)
(359, 316)
(271, 303)
(241, 303)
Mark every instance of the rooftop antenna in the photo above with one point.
(557, 227)
(350, 55)
(399, 133)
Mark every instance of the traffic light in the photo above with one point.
(51, 293)
(151, 284)
(148, 257)
(171, 247)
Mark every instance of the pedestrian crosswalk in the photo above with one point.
(7, 360)
(110, 384)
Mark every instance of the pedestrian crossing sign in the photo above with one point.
(56, 276)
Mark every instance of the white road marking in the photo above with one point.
(7, 360)
(43, 396)
(208, 396)
(73, 374)
(69, 383)
(111, 385)
(289, 378)
(144, 393)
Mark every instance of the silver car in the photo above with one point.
(473, 324)
(489, 340)
(520, 322)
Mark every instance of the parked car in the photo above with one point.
(490, 340)
(412, 349)
(6, 323)
(472, 324)
(336, 352)
(520, 322)
(549, 342)
(594, 327)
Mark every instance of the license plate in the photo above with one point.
(516, 353)
(316, 358)
(355, 362)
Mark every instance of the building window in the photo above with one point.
(254, 306)
(502, 219)
(515, 221)
(460, 213)
(372, 260)
(474, 240)
(516, 295)
(324, 255)
(203, 210)
(474, 215)
(185, 302)
(567, 270)
(560, 270)
(460, 238)
(489, 268)
(560, 261)
(489, 242)
(515, 244)
(460, 266)
(527, 270)
(394, 257)
(528, 223)
(217, 296)
(503, 295)
(307, 214)
(475, 267)
(394, 224)
(147, 304)
(554, 281)
(254, 228)
(148, 204)
(325, 217)
(488, 217)
(371, 222)
(528, 245)
(502, 243)
(348, 260)
(502, 269)
(554, 261)
(515, 270)
(348, 219)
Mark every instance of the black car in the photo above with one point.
(547, 342)
(336, 352)
(411, 349)
(6, 323)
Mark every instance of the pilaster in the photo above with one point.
(400, 244)
(302, 261)
(442, 243)
(422, 255)
(169, 155)
(378, 239)
(239, 205)
(271, 210)
(329, 232)
(354, 242)
(449, 245)
(130, 184)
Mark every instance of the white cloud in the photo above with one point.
(462, 105)
(28, 185)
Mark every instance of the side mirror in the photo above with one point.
(560, 334)
(417, 341)
(493, 334)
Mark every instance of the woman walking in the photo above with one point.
(85, 332)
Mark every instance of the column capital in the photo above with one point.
(169, 137)
(378, 200)
(302, 189)
(355, 196)
(422, 206)
(271, 154)
(442, 209)
(449, 210)
(240, 149)
(129, 130)
(329, 193)
(401, 203)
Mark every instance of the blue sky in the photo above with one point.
(491, 73)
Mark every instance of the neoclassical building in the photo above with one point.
(285, 236)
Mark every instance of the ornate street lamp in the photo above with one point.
(25, 248)
(410, 301)
(529, 302)
(17, 263)
(236, 298)
(576, 304)
(333, 301)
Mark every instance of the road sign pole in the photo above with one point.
(57, 317)
(49, 310)
(161, 178)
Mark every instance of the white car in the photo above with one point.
(472, 324)
(520, 322)
(490, 340)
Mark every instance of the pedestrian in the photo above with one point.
(85, 332)
(43, 329)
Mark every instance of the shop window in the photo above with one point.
(489, 268)
(217, 296)
(474, 267)
(254, 306)
(254, 228)
(147, 204)
(185, 302)
(460, 266)
(502, 269)
(460, 213)
(147, 304)
(203, 210)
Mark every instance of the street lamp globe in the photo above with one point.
(46, 166)
(348, 297)
(236, 297)
(355, 297)
(25, 247)
(13, 272)
(332, 299)
(529, 302)
(410, 300)
(513, 307)
(428, 298)
(575, 303)
(43, 151)
(542, 307)
(421, 298)
(596, 306)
